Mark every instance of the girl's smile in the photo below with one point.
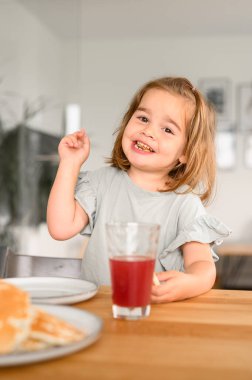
(142, 148)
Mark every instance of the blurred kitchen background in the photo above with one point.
(66, 64)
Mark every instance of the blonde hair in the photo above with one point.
(198, 173)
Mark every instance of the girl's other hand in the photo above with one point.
(75, 146)
(173, 286)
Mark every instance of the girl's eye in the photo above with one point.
(168, 130)
(144, 119)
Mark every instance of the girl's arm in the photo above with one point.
(198, 278)
(65, 218)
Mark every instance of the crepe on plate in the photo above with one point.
(15, 317)
(24, 327)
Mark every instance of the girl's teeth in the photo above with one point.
(142, 146)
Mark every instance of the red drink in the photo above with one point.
(131, 278)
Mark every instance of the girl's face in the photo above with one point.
(155, 137)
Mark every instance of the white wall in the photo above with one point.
(30, 66)
(32, 63)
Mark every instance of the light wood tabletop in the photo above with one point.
(207, 337)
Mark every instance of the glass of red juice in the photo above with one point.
(132, 251)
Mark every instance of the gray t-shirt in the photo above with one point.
(108, 194)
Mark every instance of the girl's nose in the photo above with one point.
(148, 132)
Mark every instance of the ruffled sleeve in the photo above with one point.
(86, 195)
(204, 229)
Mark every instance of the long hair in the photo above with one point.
(198, 173)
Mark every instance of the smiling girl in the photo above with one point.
(161, 169)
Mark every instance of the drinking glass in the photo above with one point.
(132, 249)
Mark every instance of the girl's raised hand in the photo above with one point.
(75, 147)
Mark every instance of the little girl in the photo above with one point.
(161, 169)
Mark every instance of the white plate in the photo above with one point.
(55, 290)
(88, 322)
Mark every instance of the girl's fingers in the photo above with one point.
(77, 140)
(164, 293)
(79, 134)
(81, 137)
(159, 290)
(86, 139)
(70, 140)
(160, 299)
(163, 276)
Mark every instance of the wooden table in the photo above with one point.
(208, 337)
